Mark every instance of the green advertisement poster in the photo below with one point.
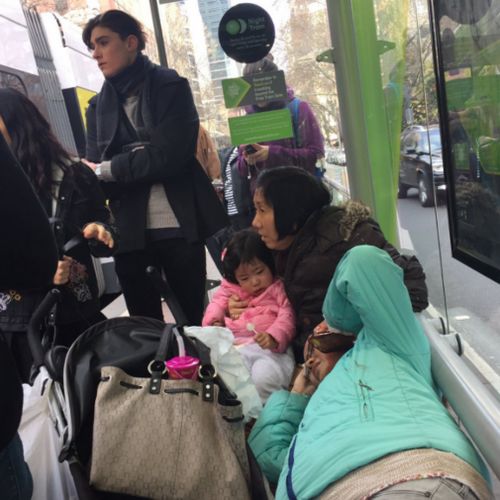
(261, 127)
(254, 89)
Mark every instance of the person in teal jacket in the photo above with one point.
(374, 425)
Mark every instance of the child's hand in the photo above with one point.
(218, 323)
(265, 340)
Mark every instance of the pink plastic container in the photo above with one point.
(183, 367)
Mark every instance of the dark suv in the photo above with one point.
(418, 150)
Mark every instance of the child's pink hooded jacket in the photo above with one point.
(269, 312)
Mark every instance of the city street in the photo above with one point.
(473, 300)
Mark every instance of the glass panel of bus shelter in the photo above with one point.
(302, 34)
(465, 298)
(190, 30)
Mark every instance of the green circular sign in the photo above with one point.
(246, 33)
(233, 27)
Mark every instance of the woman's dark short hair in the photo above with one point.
(294, 194)
(243, 248)
(118, 21)
(262, 66)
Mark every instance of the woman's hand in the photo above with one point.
(98, 232)
(261, 154)
(61, 277)
(265, 340)
(236, 306)
(305, 384)
(90, 164)
(321, 327)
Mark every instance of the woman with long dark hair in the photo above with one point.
(70, 194)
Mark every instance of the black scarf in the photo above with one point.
(130, 78)
(112, 135)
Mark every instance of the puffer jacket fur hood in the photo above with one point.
(317, 249)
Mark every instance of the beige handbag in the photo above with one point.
(169, 439)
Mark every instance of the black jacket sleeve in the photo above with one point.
(92, 152)
(173, 141)
(28, 255)
(101, 214)
(89, 206)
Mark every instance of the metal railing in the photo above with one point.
(474, 405)
(339, 193)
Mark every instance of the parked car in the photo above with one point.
(335, 156)
(421, 163)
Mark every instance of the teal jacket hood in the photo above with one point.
(367, 297)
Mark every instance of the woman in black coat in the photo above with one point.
(142, 130)
(70, 194)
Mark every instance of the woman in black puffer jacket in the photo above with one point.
(294, 218)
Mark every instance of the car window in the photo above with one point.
(411, 141)
(435, 141)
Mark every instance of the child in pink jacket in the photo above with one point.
(264, 330)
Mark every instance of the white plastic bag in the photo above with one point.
(229, 364)
(52, 480)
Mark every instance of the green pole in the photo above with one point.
(370, 131)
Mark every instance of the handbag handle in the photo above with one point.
(36, 320)
(163, 287)
(157, 368)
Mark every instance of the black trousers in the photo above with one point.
(185, 270)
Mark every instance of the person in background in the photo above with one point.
(26, 228)
(142, 131)
(303, 150)
(238, 203)
(373, 426)
(237, 195)
(294, 218)
(264, 331)
(70, 193)
(206, 154)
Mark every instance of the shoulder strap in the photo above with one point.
(293, 106)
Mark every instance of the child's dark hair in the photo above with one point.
(244, 247)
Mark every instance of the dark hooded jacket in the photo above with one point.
(80, 202)
(308, 266)
(25, 229)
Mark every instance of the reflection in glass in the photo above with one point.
(470, 69)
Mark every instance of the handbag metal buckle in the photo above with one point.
(150, 367)
(207, 374)
(157, 369)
